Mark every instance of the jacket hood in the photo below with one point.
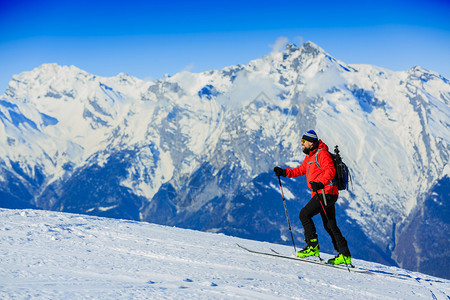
(322, 145)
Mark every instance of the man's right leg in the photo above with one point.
(344, 256)
(311, 209)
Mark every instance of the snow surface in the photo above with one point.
(52, 255)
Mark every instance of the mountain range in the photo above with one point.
(197, 150)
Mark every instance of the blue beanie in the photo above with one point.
(310, 136)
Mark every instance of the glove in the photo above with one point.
(279, 171)
(316, 186)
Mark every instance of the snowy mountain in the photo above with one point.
(197, 150)
(53, 255)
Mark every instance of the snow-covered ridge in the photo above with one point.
(50, 255)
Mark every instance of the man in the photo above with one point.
(319, 172)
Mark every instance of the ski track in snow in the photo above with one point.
(51, 255)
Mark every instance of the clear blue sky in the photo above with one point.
(148, 39)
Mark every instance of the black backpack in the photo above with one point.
(343, 176)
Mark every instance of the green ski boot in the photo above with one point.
(340, 259)
(310, 250)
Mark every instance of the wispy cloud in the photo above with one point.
(279, 45)
(188, 68)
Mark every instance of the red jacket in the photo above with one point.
(323, 174)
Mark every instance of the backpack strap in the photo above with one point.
(316, 158)
(333, 181)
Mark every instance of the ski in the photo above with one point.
(350, 268)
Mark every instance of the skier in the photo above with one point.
(319, 177)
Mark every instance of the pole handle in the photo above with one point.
(324, 198)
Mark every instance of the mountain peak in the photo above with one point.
(46, 73)
(291, 47)
(56, 68)
(310, 47)
(307, 47)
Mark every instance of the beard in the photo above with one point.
(308, 150)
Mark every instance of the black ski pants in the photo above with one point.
(314, 207)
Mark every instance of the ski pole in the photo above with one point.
(287, 216)
(324, 203)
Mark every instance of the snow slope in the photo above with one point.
(52, 255)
